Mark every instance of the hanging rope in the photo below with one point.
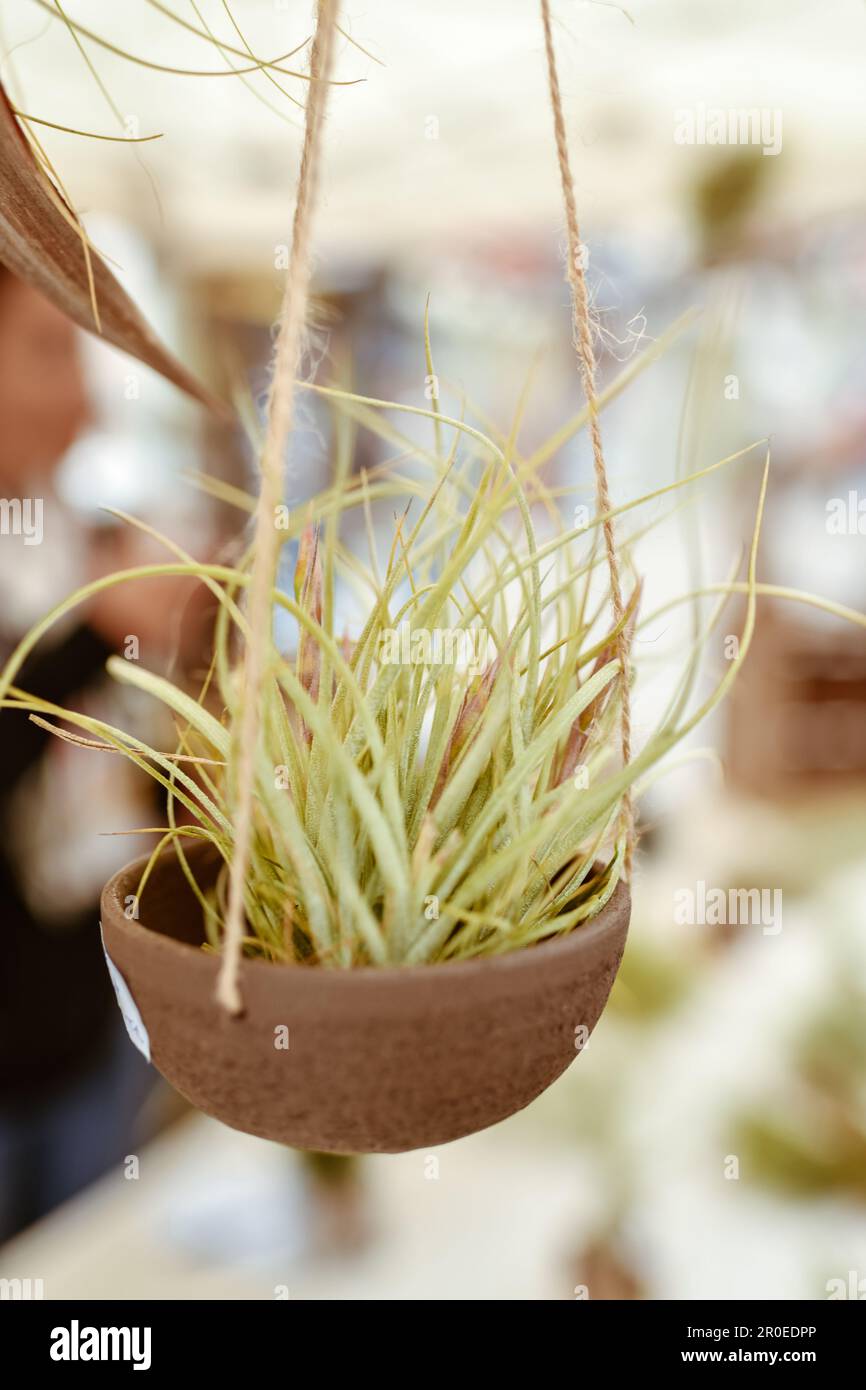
(267, 538)
(582, 338)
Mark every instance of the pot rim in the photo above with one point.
(606, 921)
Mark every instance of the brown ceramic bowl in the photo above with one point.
(379, 1060)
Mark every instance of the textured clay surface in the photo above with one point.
(379, 1060)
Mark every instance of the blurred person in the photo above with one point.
(71, 1083)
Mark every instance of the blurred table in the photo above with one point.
(217, 1215)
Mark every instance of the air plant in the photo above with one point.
(408, 812)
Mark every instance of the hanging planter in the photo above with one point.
(367, 1060)
(397, 902)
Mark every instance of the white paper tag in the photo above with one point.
(127, 1005)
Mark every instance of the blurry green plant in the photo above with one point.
(810, 1138)
(650, 983)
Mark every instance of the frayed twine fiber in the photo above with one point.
(582, 338)
(267, 538)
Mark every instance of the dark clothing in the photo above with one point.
(51, 1150)
(56, 1000)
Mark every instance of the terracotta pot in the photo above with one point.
(379, 1060)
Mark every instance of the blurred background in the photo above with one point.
(712, 1143)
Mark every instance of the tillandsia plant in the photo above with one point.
(448, 783)
(451, 783)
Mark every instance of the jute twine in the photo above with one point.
(267, 538)
(279, 424)
(582, 338)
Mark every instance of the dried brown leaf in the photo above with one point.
(42, 243)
